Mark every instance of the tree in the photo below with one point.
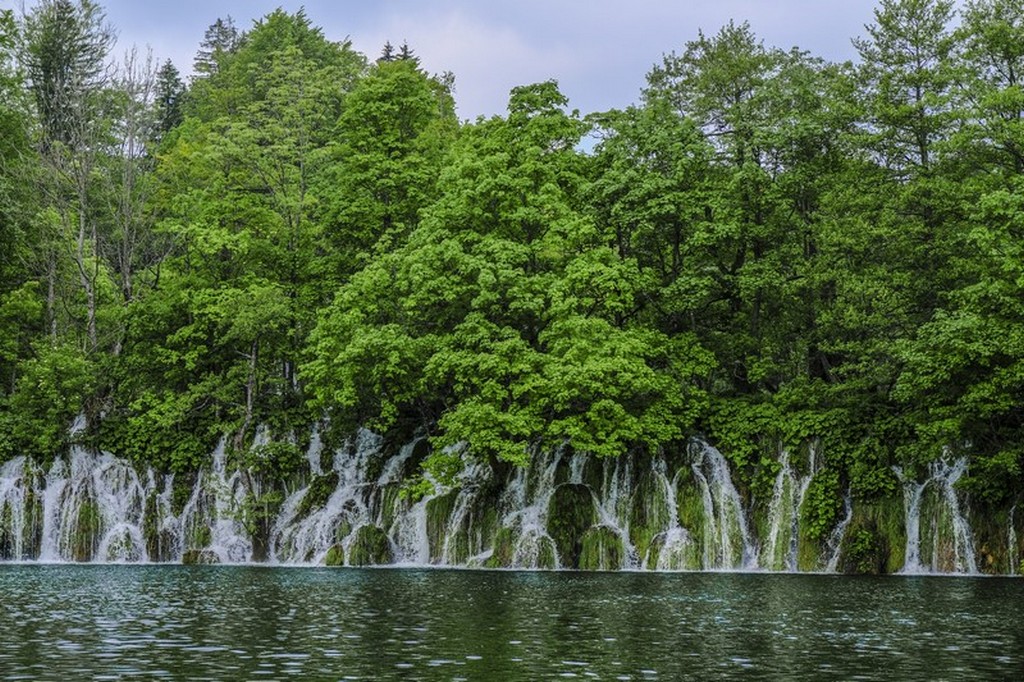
(385, 159)
(64, 52)
(963, 376)
(170, 91)
(20, 304)
(502, 321)
(220, 40)
(909, 75)
(234, 195)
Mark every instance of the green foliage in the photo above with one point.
(822, 505)
(49, 394)
(318, 493)
(766, 249)
(276, 459)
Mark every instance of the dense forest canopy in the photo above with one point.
(765, 249)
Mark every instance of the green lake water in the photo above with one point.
(231, 623)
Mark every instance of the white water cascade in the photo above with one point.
(348, 506)
(674, 544)
(527, 498)
(948, 533)
(14, 526)
(780, 548)
(833, 546)
(728, 542)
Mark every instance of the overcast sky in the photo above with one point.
(598, 50)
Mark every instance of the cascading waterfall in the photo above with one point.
(612, 501)
(216, 511)
(14, 526)
(561, 511)
(779, 552)
(298, 538)
(93, 507)
(833, 545)
(949, 534)
(527, 497)
(674, 543)
(727, 540)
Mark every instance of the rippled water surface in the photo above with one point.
(223, 623)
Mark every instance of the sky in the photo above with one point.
(598, 50)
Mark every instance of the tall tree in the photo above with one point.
(908, 74)
(170, 91)
(65, 50)
(386, 157)
(220, 40)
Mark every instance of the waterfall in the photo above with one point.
(563, 510)
(13, 499)
(674, 542)
(217, 510)
(314, 452)
(727, 539)
(409, 531)
(527, 498)
(949, 530)
(475, 475)
(780, 549)
(835, 539)
(93, 507)
(310, 538)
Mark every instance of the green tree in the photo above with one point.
(503, 322)
(385, 159)
(170, 92)
(218, 340)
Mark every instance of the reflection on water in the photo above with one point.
(217, 623)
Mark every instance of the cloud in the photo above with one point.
(488, 60)
(599, 51)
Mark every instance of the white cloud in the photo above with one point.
(487, 60)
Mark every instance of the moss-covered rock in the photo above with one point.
(182, 488)
(199, 536)
(601, 550)
(570, 513)
(335, 556)
(389, 502)
(33, 533)
(546, 555)
(151, 529)
(649, 512)
(87, 532)
(439, 510)
(504, 549)
(690, 506)
(876, 539)
(199, 557)
(121, 547)
(994, 527)
(675, 552)
(370, 547)
(320, 490)
(7, 534)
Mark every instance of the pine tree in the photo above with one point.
(169, 93)
(220, 39)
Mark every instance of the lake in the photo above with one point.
(258, 622)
